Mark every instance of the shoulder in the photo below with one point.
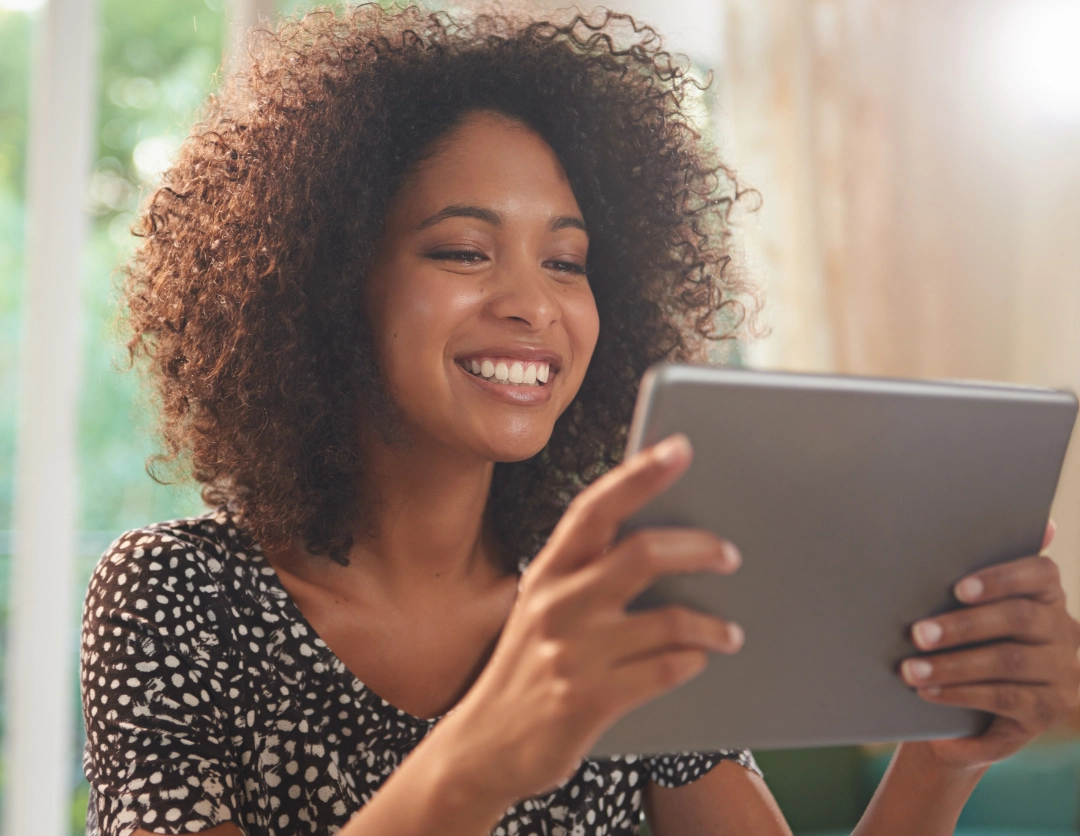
(168, 578)
(679, 769)
(730, 796)
(173, 553)
(195, 545)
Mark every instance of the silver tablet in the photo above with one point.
(857, 504)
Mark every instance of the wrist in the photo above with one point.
(919, 794)
(462, 774)
(429, 794)
(925, 760)
(942, 788)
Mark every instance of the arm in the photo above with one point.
(917, 795)
(914, 797)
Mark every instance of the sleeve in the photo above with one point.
(157, 754)
(685, 767)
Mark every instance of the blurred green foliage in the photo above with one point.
(14, 95)
(157, 63)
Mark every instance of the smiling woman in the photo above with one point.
(244, 297)
(395, 295)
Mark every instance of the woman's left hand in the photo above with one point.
(1028, 676)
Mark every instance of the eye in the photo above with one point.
(567, 267)
(466, 257)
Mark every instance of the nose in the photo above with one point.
(526, 293)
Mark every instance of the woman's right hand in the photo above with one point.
(570, 660)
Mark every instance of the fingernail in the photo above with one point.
(927, 633)
(736, 636)
(917, 669)
(969, 589)
(732, 555)
(932, 691)
(673, 449)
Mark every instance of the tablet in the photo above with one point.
(857, 503)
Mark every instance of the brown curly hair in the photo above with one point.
(245, 297)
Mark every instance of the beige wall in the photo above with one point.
(914, 221)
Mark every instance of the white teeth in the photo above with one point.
(517, 373)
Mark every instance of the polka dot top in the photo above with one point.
(208, 698)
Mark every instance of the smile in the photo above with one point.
(497, 376)
(507, 371)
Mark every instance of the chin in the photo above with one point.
(515, 450)
(507, 457)
(514, 439)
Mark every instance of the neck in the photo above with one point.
(427, 507)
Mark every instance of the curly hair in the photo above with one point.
(244, 299)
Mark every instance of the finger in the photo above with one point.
(641, 680)
(635, 563)
(593, 519)
(1000, 662)
(1018, 619)
(1034, 577)
(648, 633)
(605, 585)
(1034, 707)
(1048, 536)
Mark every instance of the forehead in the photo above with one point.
(488, 160)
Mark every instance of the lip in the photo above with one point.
(509, 392)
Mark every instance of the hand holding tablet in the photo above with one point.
(1022, 666)
(857, 505)
(570, 658)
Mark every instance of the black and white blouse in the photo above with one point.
(208, 698)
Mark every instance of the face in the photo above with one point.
(482, 313)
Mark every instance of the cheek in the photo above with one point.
(582, 324)
(403, 320)
(418, 315)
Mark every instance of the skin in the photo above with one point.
(534, 671)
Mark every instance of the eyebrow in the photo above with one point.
(493, 218)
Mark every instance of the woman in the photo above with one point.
(396, 295)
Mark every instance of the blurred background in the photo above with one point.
(918, 164)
